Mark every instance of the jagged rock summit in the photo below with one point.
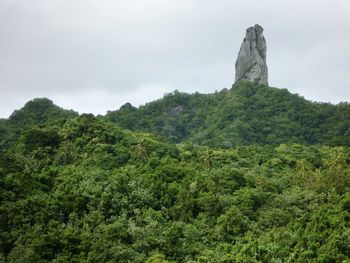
(251, 60)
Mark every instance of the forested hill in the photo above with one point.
(246, 114)
(39, 111)
(36, 112)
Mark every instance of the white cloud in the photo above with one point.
(99, 101)
(111, 48)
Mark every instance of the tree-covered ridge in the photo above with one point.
(246, 114)
(39, 111)
(90, 191)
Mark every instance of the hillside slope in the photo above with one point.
(246, 114)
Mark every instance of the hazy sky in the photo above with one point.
(95, 55)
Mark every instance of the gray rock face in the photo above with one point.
(251, 60)
(176, 111)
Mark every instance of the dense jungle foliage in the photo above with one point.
(246, 114)
(84, 189)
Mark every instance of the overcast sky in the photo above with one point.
(95, 55)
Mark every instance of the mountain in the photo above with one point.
(247, 114)
(249, 174)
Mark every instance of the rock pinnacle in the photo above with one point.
(251, 60)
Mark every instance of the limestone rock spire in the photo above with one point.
(251, 60)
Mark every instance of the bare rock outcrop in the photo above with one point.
(251, 60)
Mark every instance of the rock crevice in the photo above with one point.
(251, 60)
